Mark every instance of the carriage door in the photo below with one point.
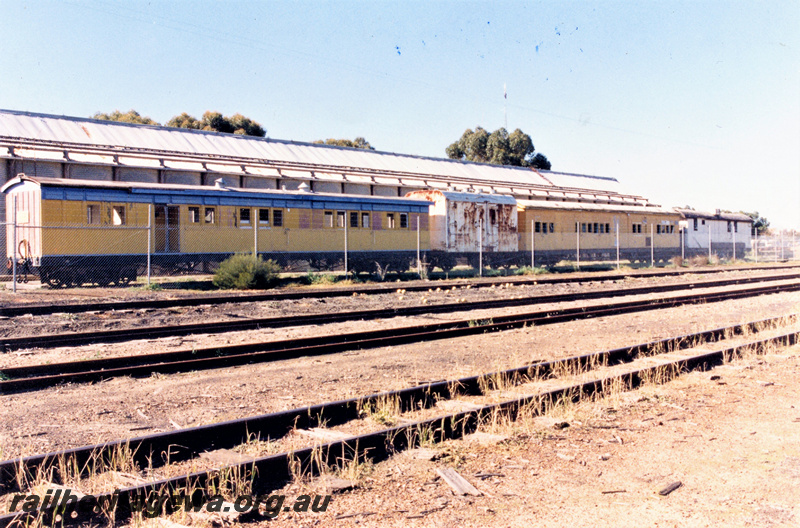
(167, 229)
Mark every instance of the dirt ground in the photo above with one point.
(197, 285)
(730, 436)
(49, 324)
(732, 442)
(79, 414)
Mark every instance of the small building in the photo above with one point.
(727, 235)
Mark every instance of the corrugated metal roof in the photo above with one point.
(691, 213)
(147, 141)
(583, 206)
(207, 190)
(436, 195)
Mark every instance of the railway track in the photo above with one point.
(154, 332)
(305, 293)
(36, 377)
(626, 367)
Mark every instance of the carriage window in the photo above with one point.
(118, 214)
(552, 227)
(390, 220)
(404, 220)
(244, 215)
(210, 213)
(92, 214)
(277, 217)
(263, 216)
(365, 220)
(595, 228)
(607, 228)
(194, 215)
(353, 219)
(328, 219)
(583, 228)
(735, 227)
(339, 218)
(695, 224)
(492, 217)
(729, 226)
(537, 227)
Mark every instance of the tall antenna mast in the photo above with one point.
(505, 105)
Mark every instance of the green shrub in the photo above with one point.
(319, 279)
(527, 270)
(242, 271)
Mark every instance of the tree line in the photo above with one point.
(498, 148)
(211, 121)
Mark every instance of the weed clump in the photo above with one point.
(527, 270)
(243, 271)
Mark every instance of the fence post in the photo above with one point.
(709, 242)
(775, 252)
(533, 248)
(578, 245)
(480, 248)
(733, 234)
(255, 238)
(755, 246)
(616, 228)
(14, 251)
(419, 263)
(346, 220)
(682, 231)
(652, 246)
(149, 238)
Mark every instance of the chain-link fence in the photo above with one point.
(110, 255)
(775, 247)
(106, 254)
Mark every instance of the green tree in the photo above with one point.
(498, 148)
(184, 121)
(760, 224)
(358, 143)
(216, 122)
(131, 116)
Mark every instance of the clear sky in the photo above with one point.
(688, 103)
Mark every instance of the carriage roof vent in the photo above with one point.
(219, 183)
(303, 187)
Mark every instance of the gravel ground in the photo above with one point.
(73, 415)
(105, 320)
(730, 438)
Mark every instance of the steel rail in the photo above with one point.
(36, 377)
(187, 442)
(114, 336)
(304, 293)
(273, 471)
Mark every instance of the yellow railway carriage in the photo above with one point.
(558, 230)
(77, 231)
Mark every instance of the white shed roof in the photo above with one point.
(70, 136)
(583, 206)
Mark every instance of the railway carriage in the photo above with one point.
(470, 227)
(724, 234)
(79, 231)
(560, 228)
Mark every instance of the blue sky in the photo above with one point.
(689, 103)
